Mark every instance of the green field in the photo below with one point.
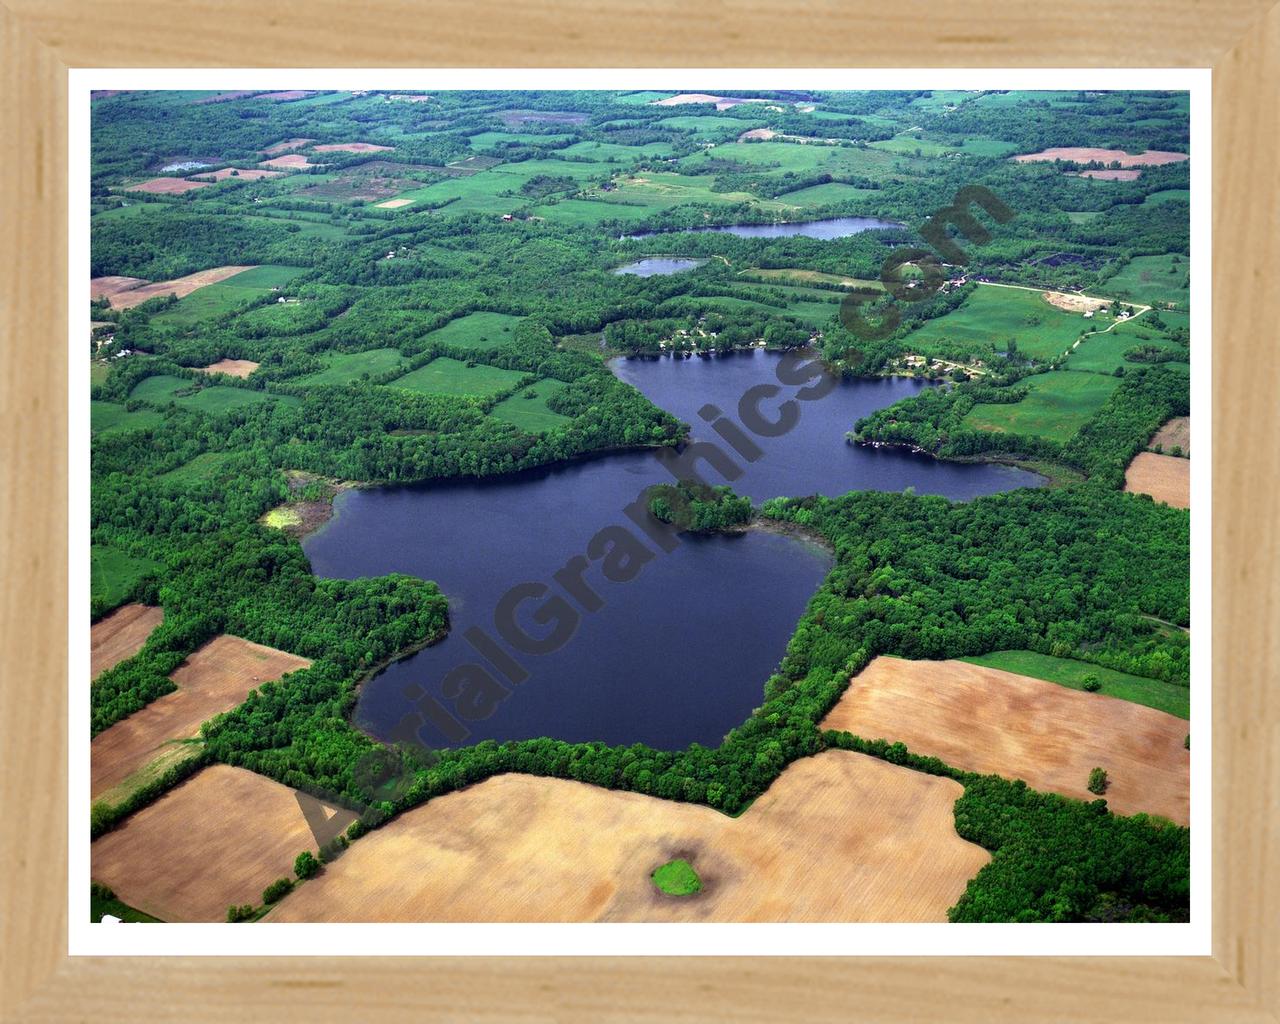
(113, 575)
(826, 194)
(1154, 693)
(527, 408)
(1060, 403)
(488, 140)
(709, 125)
(589, 212)
(677, 878)
(108, 417)
(217, 300)
(776, 158)
(1168, 195)
(660, 190)
(990, 317)
(1102, 353)
(205, 466)
(345, 367)
(445, 376)
(162, 389)
(1156, 280)
(480, 331)
(606, 151)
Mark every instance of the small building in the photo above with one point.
(507, 216)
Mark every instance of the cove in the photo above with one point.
(678, 654)
(824, 230)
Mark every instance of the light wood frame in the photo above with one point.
(41, 39)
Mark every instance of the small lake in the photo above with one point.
(679, 653)
(825, 230)
(654, 266)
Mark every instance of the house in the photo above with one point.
(507, 216)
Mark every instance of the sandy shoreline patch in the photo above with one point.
(986, 720)
(1166, 478)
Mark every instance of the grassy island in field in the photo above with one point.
(677, 878)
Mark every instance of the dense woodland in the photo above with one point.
(524, 205)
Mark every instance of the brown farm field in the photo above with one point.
(233, 367)
(1166, 478)
(352, 147)
(985, 720)
(239, 173)
(1086, 154)
(1176, 432)
(284, 145)
(126, 297)
(218, 838)
(838, 837)
(289, 162)
(214, 679)
(166, 186)
(121, 635)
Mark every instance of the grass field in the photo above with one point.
(837, 837)
(1156, 280)
(488, 140)
(709, 125)
(205, 466)
(161, 389)
(214, 679)
(989, 318)
(826, 194)
(113, 574)
(1102, 353)
(607, 151)
(120, 635)
(110, 417)
(589, 212)
(677, 878)
(100, 904)
(445, 376)
(221, 298)
(1168, 195)
(345, 367)
(480, 331)
(527, 408)
(1059, 404)
(985, 720)
(660, 190)
(1154, 693)
(220, 837)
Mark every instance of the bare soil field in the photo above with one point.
(290, 162)
(214, 679)
(233, 367)
(362, 184)
(1119, 175)
(838, 837)
(284, 146)
(352, 147)
(120, 635)
(985, 720)
(1086, 154)
(239, 173)
(1166, 478)
(113, 286)
(220, 837)
(757, 133)
(394, 204)
(1073, 303)
(166, 186)
(1176, 432)
(179, 286)
(287, 95)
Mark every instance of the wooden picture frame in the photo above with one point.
(42, 39)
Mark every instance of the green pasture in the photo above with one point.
(1059, 404)
(527, 408)
(445, 376)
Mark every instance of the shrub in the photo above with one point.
(1092, 683)
(1098, 781)
(276, 890)
(305, 865)
(240, 913)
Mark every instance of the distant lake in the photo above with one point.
(833, 227)
(680, 653)
(656, 265)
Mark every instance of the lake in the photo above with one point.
(825, 230)
(657, 265)
(676, 655)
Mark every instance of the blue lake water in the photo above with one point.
(677, 654)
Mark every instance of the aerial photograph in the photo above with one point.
(639, 506)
